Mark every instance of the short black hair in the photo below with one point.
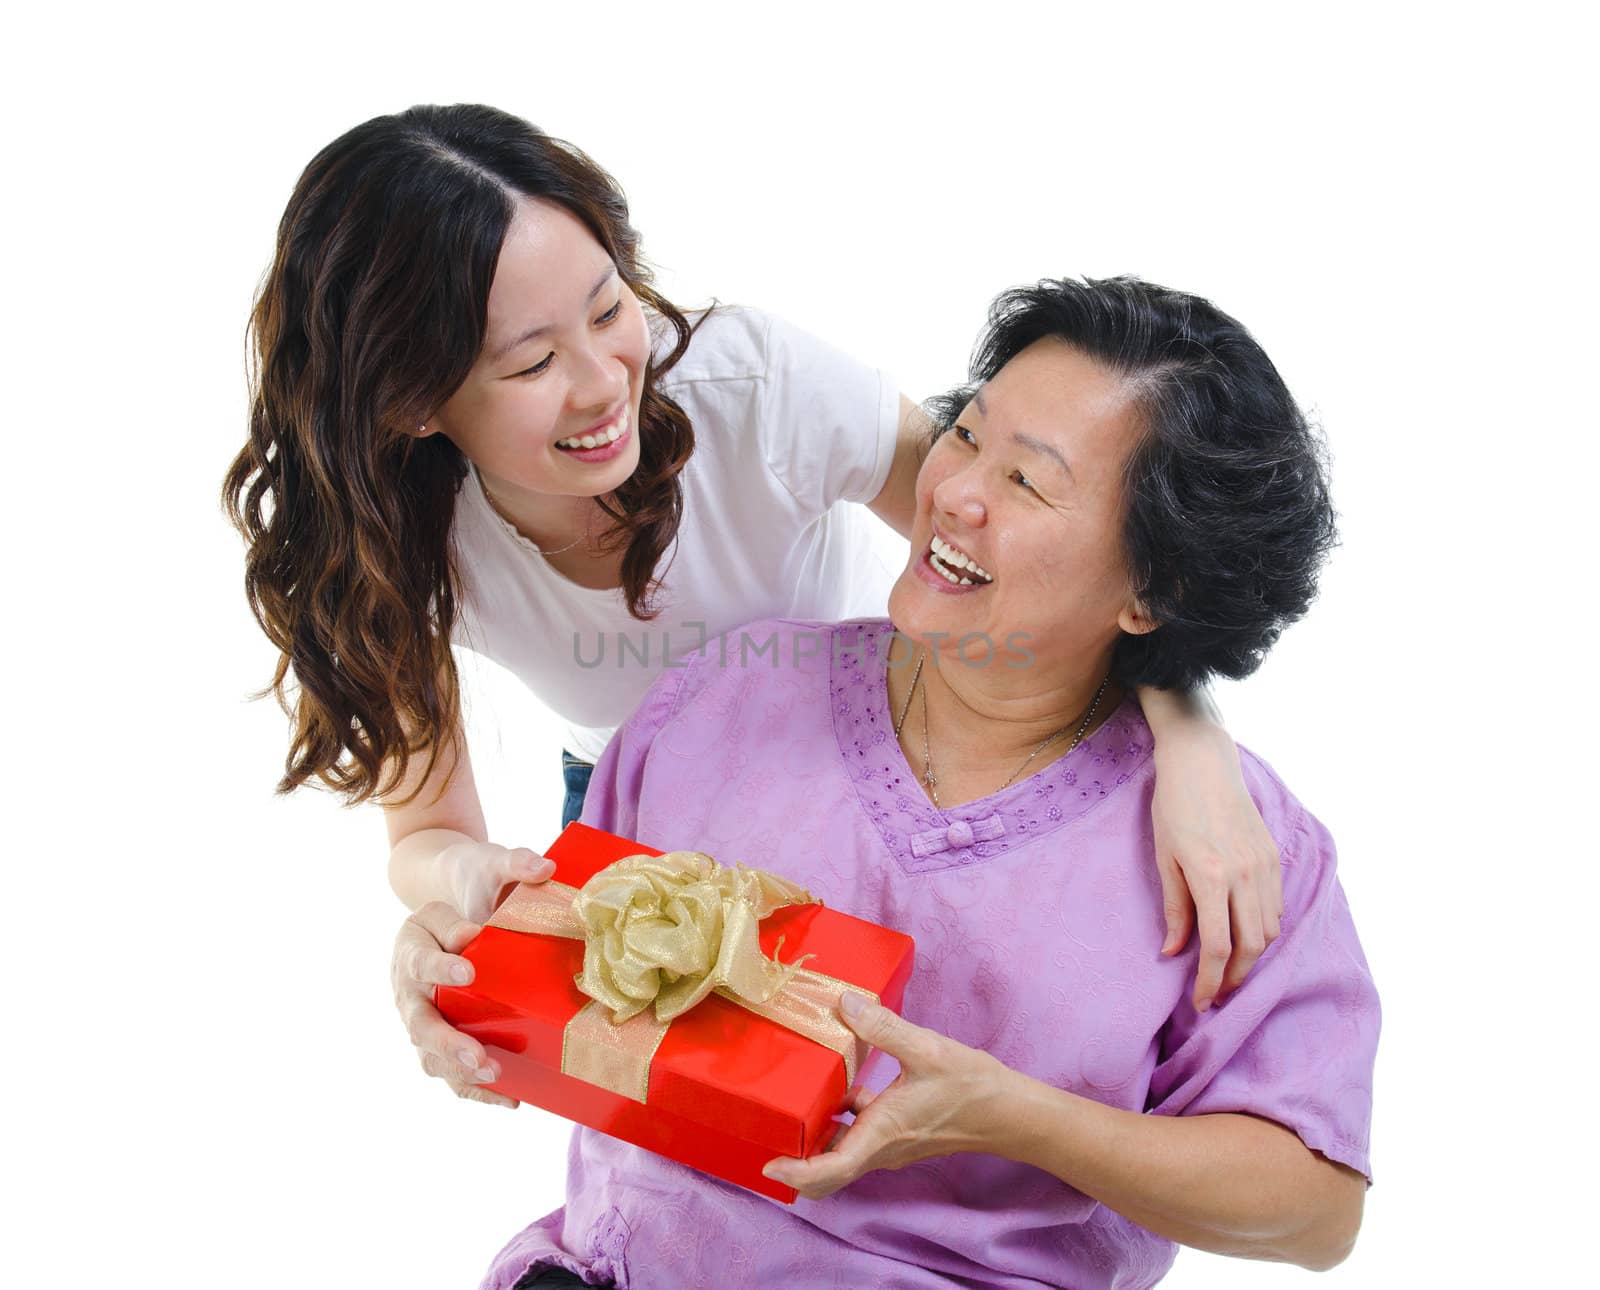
(1228, 517)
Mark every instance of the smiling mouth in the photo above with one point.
(615, 431)
(956, 566)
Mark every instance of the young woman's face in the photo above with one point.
(552, 403)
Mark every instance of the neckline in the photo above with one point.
(891, 792)
(516, 537)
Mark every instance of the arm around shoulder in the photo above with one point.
(1217, 860)
(828, 424)
(896, 502)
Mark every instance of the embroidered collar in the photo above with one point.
(923, 838)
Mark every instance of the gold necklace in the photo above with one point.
(568, 547)
(932, 780)
(495, 506)
(906, 706)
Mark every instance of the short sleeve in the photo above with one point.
(828, 422)
(1297, 1041)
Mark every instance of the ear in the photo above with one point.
(1135, 619)
(423, 431)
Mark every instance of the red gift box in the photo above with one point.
(728, 1090)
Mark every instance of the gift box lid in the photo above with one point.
(719, 1065)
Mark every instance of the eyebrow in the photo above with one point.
(540, 330)
(1027, 440)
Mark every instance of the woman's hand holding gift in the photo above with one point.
(943, 1101)
(479, 874)
(426, 955)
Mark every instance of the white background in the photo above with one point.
(208, 1085)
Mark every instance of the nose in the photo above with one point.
(958, 499)
(599, 380)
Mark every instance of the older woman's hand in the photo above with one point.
(941, 1102)
(1219, 865)
(426, 955)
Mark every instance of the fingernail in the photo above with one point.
(484, 1075)
(460, 973)
(852, 1004)
(467, 1058)
(774, 1172)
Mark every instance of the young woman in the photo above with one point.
(475, 422)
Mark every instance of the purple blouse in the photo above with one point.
(1038, 922)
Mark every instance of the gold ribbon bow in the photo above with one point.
(660, 933)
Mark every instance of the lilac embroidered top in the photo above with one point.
(1037, 918)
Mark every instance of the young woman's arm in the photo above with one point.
(1219, 865)
(896, 502)
(446, 871)
(444, 812)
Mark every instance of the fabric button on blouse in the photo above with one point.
(957, 836)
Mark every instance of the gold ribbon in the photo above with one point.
(660, 933)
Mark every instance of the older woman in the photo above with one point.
(1127, 494)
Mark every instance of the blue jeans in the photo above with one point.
(575, 771)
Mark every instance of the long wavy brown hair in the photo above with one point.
(371, 316)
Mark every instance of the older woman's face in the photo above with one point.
(1027, 486)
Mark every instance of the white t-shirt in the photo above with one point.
(787, 430)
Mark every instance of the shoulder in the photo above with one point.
(729, 343)
(742, 343)
(1306, 848)
(1280, 809)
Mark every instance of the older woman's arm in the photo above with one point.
(1214, 853)
(1228, 1183)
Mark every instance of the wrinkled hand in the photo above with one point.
(1219, 865)
(941, 1102)
(425, 955)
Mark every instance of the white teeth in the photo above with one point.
(598, 440)
(937, 563)
(948, 555)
